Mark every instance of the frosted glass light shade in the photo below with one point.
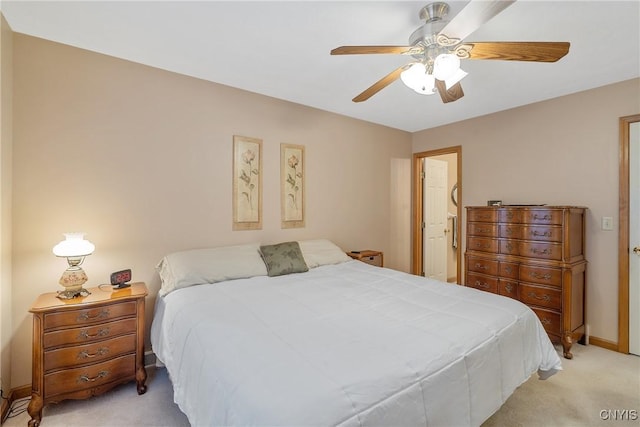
(416, 78)
(413, 76)
(74, 245)
(445, 66)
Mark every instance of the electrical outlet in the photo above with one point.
(607, 223)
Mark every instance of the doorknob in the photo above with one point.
(636, 250)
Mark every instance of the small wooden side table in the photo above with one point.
(84, 346)
(368, 256)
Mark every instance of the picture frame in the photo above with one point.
(292, 185)
(247, 183)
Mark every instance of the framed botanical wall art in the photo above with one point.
(247, 183)
(292, 185)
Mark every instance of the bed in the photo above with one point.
(339, 343)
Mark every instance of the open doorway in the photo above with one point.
(437, 228)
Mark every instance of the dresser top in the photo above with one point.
(99, 294)
(527, 207)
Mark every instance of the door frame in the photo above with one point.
(623, 235)
(417, 259)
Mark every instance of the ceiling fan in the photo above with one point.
(437, 47)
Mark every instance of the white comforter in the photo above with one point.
(347, 344)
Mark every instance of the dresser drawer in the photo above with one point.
(543, 216)
(89, 376)
(89, 353)
(485, 283)
(511, 231)
(551, 320)
(508, 269)
(542, 233)
(89, 333)
(539, 295)
(483, 244)
(542, 275)
(481, 265)
(482, 229)
(508, 288)
(552, 251)
(89, 315)
(483, 215)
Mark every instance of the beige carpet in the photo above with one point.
(595, 380)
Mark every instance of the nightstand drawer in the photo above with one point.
(368, 256)
(89, 353)
(89, 333)
(90, 376)
(89, 315)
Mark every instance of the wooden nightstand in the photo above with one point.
(368, 256)
(85, 346)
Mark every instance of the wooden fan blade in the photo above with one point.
(360, 50)
(380, 84)
(519, 51)
(472, 16)
(452, 94)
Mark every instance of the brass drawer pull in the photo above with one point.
(545, 321)
(481, 266)
(483, 230)
(544, 297)
(508, 231)
(508, 269)
(539, 276)
(509, 215)
(481, 284)
(509, 288)
(541, 252)
(536, 233)
(509, 247)
(544, 218)
(101, 315)
(101, 333)
(481, 246)
(86, 379)
(84, 354)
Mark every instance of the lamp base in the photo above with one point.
(70, 294)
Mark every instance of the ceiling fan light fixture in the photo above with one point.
(445, 66)
(458, 75)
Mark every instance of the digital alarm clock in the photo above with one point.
(120, 278)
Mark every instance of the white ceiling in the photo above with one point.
(281, 49)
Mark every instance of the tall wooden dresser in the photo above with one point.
(534, 254)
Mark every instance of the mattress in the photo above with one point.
(346, 345)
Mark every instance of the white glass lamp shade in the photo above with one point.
(445, 66)
(73, 246)
(416, 78)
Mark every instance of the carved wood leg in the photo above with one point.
(141, 378)
(567, 342)
(35, 410)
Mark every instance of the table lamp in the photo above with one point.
(74, 248)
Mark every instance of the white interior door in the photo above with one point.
(634, 238)
(435, 198)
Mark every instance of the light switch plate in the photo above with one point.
(607, 223)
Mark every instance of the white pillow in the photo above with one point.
(322, 252)
(198, 266)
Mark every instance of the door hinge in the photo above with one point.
(423, 225)
(422, 176)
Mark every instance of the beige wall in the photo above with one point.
(561, 151)
(140, 160)
(6, 88)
